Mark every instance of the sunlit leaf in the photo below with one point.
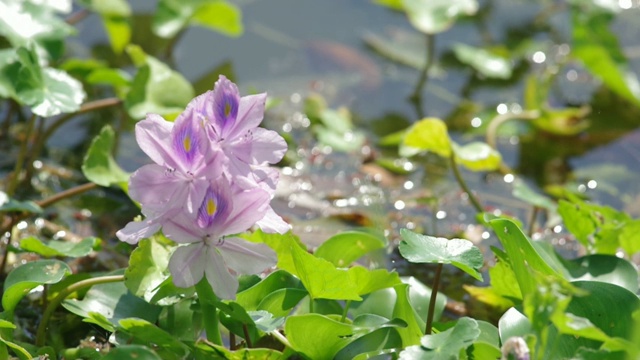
(369, 281)
(401, 46)
(114, 302)
(568, 121)
(220, 16)
(483, 61)
(148, 269)
(525, 193)
(317, 336)
(119, 31)
(404, 310)
(513, 323)
(172, 16)
(321, 278)
(478, 156)
(446, 344)
(98, 165)
(142, 332)
(604, 268)
(434, 16)
(26, 277)
(208, 350)
(429, 134)
(137, 352)
(22, 21)
(278, 293)
(155, 88)
(59, 248)
(346, 247)
(281, 244)
(393, 4)
(460, 253)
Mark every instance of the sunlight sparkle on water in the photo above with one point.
(557, 229)
(582, 188)
(408, 185)
(508, 178)
(399, 205)
(625, 4)
(539, 57)
(476, 122)
(21, 225)
(592, 184)
(572, 75)
(295, 98)
(485, 235)
(502, 109)
(441, 215)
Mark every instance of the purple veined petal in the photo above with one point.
(153, 135)
(226, 98)
(249, 206)
(223, 283)
(135, 231)
(268, 146)
(250, 114)
(183, 229)
(245, 257)
(153, 185)
(187, 264)
(203, 106)
(189, 141)
(273, 223)
(197, 188)
(213, 207)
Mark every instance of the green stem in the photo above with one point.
(416, 96)
(42, 327)
(310, 305)
(247, 336)
(456, 172)
(432, 301)
(276, 334)
(22, 155)
(532, 220)
(206, 298)
(346, 310)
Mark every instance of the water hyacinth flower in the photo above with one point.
(226, 209)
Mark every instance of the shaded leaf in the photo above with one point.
(142, 332)
(483, 61)
(461, 253)
(346, 247)
(434, 16)
(446, 344)
(148, 269)
(137, 352)
(59, 248)
(317, 336)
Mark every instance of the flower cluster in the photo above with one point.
(210, 179)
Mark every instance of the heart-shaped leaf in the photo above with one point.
(446, 344)
(429, 134)
(98, 165)
(317, 336)
(26, 277)
(148, 269)
(478, 156)
(346, 247)
(369, 281)
(460, 253)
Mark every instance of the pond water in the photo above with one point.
(292, 48)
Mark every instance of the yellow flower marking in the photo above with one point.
(211, 207)
(186, 143)
(227, 109)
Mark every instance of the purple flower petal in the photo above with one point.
(259, 147)
(135, 231)
(250, 114)
(223, 283)
(273, 223)
(152, 134)
(153, 186)
(187, 264)
(245, 257)
(226, 99)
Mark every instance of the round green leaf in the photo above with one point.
(460, 253)
(604, 268)
(376, 340)
(483, 61)
(434, 16)
(513, 323)
(446, 344)
(142, 332)
(317, 336)
(148, 269)
(59, 248)
(137, 352)
(371, 280)
(98, 165)
(346, 247)
(478, 156)
(429, 134)
(26, 277)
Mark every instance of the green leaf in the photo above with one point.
(369, 281)
(403, 309)
(392, 4)
(26, 277)
(513, 324)
(137, 352)
(98, 165)
(8, 205)
(525, 193)
(172, 16)
(604, 268)
(317, 336)
(429, 134)
(483, 61)
(375, 334)
(24, 21)
(59, 248)
(205, 351)
(478, 156)
(46, 90)
(276, 294)
(321, 278)
(156, 88)
(598, 49)
(142, 332)
(446, 344)
(346, 247)
(460, 253)
(630, 237)
(435, 16)
(148, 269)
(114, 302)
(281, 244)
(524, 258)
(119, 31)
(19, 350)
(567, 122)
(220, 16)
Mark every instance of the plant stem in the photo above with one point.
(42, 327)
(209, 311)
(310, 304)
(432, 301)
(247, 336)
(416, 97)
(276, 334)
(532, 220)
(456, 172)
(492, 130)
(76, 190)
(22, 155)
(346, 310)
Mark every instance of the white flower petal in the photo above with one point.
(247, 258)
(138, 230)
(224, 284)
(273, 223)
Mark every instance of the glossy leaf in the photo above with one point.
(98, 165)
(369, 281)
(59, 248)
(276, 291)
(513, 323)
(523, 256)
(205, 351)
(155, 88)
(604, 268)
(376, 338)
(148, 269)
(460, 253)
(478, 156)
(317, 336)
(26, 277)
(403, 309)
(113, 302)
(321, 278)
(281, 244)
(483, 61)
(142, 332)
(137, 352)
(172, 16)
(446, 344)
(346, 247)
(22, 21)
(435, 16)
(429, 134)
